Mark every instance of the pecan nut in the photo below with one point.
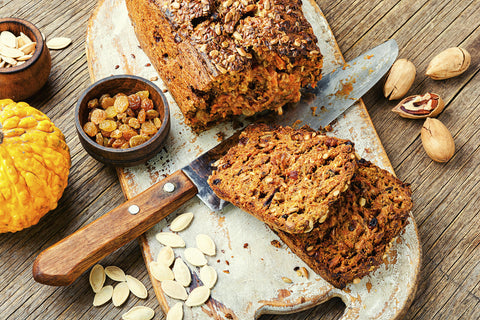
(420, 106)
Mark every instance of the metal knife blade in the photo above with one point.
(319, 106)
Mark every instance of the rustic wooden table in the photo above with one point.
(446, 195)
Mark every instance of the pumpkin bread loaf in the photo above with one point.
(231, 57)
(285, 177)
(362, 224)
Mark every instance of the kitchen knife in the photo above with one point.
(63, 262)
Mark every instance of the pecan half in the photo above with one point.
(420, 106)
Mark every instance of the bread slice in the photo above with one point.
(285, 177)
(361, 226)
(225, 58)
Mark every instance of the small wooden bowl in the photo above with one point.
(21, 82)
(127, 84)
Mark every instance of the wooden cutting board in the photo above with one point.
(249, 267)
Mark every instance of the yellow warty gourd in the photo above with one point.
(34, 165)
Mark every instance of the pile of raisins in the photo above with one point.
(122, 121)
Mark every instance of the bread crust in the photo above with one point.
(360, 229)
(225, 58)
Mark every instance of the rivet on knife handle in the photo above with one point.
(63, 262)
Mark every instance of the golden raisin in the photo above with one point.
(135, 101)
(107, 125)
(118, 142)
(92, 104)
(136, 140)
(98, 115)
(134, 123)
(106, 101)
(99, 139)
(152, 114)
(157, 122)
(141, 116)
(106, 134)
(129, 134)
(116, 134)
(148, 128)
(130, 112)
(121, 104)
(90, 129)
(143, 94)
(111, 112)
(147, 104)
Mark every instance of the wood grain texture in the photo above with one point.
(62, 263)
(446, 195)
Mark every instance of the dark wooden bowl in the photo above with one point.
(127, 84)
(21, 82)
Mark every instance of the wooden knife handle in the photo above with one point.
(66, 260)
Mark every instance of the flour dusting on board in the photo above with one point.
(249, 267)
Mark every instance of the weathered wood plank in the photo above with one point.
(446, 195)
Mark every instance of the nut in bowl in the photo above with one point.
(25, 61)
(122, 120)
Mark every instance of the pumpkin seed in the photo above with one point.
(170, 239)
(174, 290)
(206, 244)
(9, 60)
(28, 48)
(181, 222)
(58, 43)
(24, 57)
(175, 312)
(160, 271)
(182, 273)
(103, 296)
(120, 294)
(10, 52)
(24, 39)
(208, 275)
(8, 39)
(195, 257)
(136, 287)
(166, 256)
(115, 273)
(97, 278)
(198, 296)
(139, 313)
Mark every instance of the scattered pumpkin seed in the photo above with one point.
(120, 294)
(58, 43)
(136, 287)
(115, 273)
(287, 280)
(198, 296)
(166, 256)
(195, 257)
(175, 312)
(182, 272)
(181, 222)
(103, 296)
(160, 271)
(206, 244)
(139, 313)
(174, 290)
(97, 278)
(208, 275)
(170, 239)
